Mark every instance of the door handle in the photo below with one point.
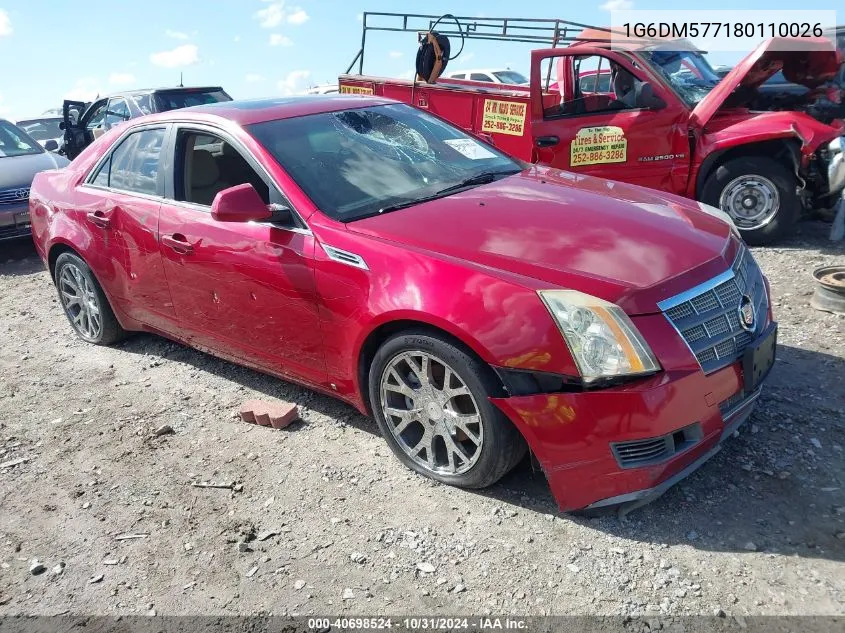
(98, 218)
(546, 141)
(178, 243)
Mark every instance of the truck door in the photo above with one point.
(597, 112)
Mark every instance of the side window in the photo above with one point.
(206, 164)
(117, 112)
(459, 75)
(102, 177)
(480, 77)
(98, 113)
(135, 165)
(144, 103)
(597, 85)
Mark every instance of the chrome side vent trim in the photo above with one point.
(345, 257)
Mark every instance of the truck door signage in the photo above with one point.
(356, 90)
(597, 145)
(504, 117)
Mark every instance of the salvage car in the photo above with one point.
(473, 305)
(103, 114)
(671, 123)
(21, 157)
(47, 130)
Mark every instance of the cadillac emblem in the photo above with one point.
(747, 318)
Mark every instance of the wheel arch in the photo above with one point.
(408, 323)
(779, 148)
(56, 249)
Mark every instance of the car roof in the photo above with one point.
(249, 111)
(148, 91)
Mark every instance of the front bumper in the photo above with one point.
(14, 221)
(572, 434)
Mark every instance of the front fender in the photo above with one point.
(502, 320)
(753, 132)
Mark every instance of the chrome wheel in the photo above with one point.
(431, 413)
(751, 201)
(80, 302)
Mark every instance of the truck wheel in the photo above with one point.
(84, 302)
(431, 402)
(760, 195)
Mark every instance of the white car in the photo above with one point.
(489, 75)
(44, 129)
(323, 89)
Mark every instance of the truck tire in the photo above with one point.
(760, 194)
(431, 402)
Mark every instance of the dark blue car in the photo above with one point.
(21, 157)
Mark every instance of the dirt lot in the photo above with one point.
(759, 530)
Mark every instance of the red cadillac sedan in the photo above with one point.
(474, 305)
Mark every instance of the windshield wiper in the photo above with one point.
(483, 178)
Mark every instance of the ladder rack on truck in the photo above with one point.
(544, 32)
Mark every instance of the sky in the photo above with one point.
(51, 50)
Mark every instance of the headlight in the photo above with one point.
(602, 339)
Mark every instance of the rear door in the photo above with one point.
(122, 196)
(243, 289)
(630, 136)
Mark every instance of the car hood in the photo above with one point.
(17, 171)
(620, 242)
(817, 63)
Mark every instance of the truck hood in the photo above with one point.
(817, 63)
(623, 243)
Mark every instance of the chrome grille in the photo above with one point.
(707, 317)
(17, 195)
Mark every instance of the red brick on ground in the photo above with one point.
(275, 413)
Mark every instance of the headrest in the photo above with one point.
(204, 170)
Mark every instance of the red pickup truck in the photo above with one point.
(668, 122)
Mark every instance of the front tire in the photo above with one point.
(430, 400)
(760, 194)
(84, 303)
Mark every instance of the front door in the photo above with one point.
(245, 290)
(604, 117)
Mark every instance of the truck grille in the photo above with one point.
(708, 316)
(17, 195)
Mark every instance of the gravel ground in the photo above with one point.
(324, 520)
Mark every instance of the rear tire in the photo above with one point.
(424, 391)
(84, 303)
(760, 194)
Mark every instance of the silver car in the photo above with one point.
(21, 157)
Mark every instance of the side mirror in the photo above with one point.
(647, 99)
(51, 145)
(239, 204)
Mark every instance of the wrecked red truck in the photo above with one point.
(667, 121)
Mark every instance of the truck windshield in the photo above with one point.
(371, 160)
(688, 72)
